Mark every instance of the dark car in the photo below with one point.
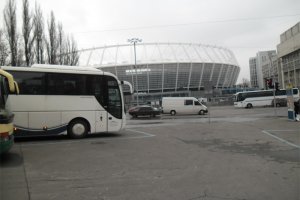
(144, 111)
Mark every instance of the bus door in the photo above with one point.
(97, 87)
(114, 105)
(101, 121)
(107, 92)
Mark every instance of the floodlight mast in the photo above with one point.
(134, 41)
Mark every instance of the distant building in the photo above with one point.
(263, 67)
(289, 57)
(253, 73)
(270, 67)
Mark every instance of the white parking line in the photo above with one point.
(144, 135)
(280, 139)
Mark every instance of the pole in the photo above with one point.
(274, 100)
(136, 79)
(273, 81)
(134, 41)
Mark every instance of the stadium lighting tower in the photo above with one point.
(134, 41)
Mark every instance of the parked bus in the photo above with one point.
(57, 100)
(7, 86)
(251, 99)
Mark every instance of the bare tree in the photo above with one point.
(71, 56)
(38, 29)
(52, 42)
(11, 30)
(245, 83)
(3, 49)
(67, 48)
(28, 35)
(74, 52)
(20, 53)
(61, 44)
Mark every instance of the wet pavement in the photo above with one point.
(231, 154)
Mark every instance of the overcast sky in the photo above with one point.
(244, 26)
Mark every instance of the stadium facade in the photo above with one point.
(167, 69)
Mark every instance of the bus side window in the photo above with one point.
(94, 87)
(32, 83)
(66, 84)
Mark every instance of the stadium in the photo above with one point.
(167, 69)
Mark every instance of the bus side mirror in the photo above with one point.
(17, 91)
(129, 84)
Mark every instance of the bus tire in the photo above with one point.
(278, 105)
(249, 105)
(173, 112)
(77, 129)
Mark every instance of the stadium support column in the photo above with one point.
(190, 76)
(225, 77)
(176, 84)
(220, 73)
(201, 75)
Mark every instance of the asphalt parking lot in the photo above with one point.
(232, 154)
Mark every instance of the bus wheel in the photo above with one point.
(249, 105)
(278, 105)
(173, 112)
(77, 129)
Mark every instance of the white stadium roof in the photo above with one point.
(150, 53)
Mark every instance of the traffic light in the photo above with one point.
(277, 86)
(270, 83)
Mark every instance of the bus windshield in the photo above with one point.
(4, 91)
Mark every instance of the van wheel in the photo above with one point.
(278, 105)
(173, 112)
(249, 105)
(201, 112)
(77, 128)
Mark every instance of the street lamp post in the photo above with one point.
(273, 80)
(134, 41)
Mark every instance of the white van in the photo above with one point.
(183, 105)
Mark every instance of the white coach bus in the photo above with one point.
(56, 100)
(251, 99)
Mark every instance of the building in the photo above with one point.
(253, 73)
(167, 69)
(263, 67)
(270, 67)
(289, 57)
